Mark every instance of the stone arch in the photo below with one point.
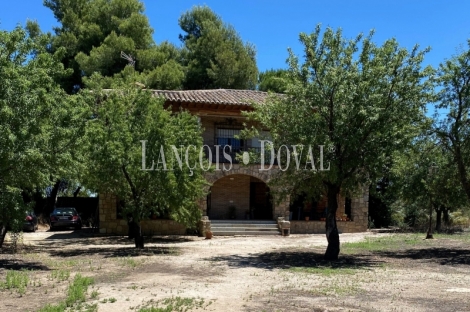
(252, 171)
(279, 209)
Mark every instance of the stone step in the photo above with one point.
(232, 233)
(233, 228)
(243, 225)
(244, 221)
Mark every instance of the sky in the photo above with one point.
(273, 26)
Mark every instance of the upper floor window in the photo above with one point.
(229, 136)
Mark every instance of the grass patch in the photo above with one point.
(176, 304)
(16, 280)
(60, 275)
(325, 271)
(77, 290)
(384, 243)
(94, 294)
(54, 308)
(338, 288)
(76, 293)
(464, 236)
(398, 241)
(129, 262)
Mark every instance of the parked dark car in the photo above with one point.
(65, 217)
(30, 222)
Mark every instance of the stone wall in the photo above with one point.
(360, 207)
(234, 191)
(109, 224)
(359, 217)
(318, 227)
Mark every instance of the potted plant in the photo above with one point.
(345, 217)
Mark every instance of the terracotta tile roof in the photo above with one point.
(214, 96)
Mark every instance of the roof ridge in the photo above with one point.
(209, 90)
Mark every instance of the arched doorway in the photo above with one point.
(240, 197)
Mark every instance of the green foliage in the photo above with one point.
(41, 127)
(176, 304)
(77, 290)
(453, 131)
(53, 308)
(274, 80)
(76, 293)
(60, 275)
(384, 243)
(325, 270)
(423, 175)
(95, 32)
(16, 280)
(12, 209)
(360, 100)
(126, 116)
(214, 53)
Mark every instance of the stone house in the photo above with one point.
(242, 192)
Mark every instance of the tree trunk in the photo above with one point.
(138, 238)
(462, 170)
(429, 233)
(438, 219)
(135, 232)
(75, 194)
(50, 201)
(446, 217)
(332, 235)
(3, 233)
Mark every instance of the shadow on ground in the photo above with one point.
(101, 252)
(289, 259)
(440, 255)
(98, 239)
(15, 264)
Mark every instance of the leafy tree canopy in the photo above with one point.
(361, 101)
(453, 131)
(273, 80)
(214, 53)
(40, 126)
(126, 116)
(95, 32)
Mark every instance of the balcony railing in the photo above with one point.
(235, 154)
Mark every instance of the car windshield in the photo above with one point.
(65, 211)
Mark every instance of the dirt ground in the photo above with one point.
(262, 273)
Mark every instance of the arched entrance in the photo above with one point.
(239, 197)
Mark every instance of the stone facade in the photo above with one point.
(230, 191)
(238, 189)
(110, 224)
(228, 187)
(358, 223)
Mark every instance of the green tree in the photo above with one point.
(38, 121)
(454, 130)
(126, 116)
(425, 178)
(361, 101)
(95, 32)
(214, 54)
(273, 80)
